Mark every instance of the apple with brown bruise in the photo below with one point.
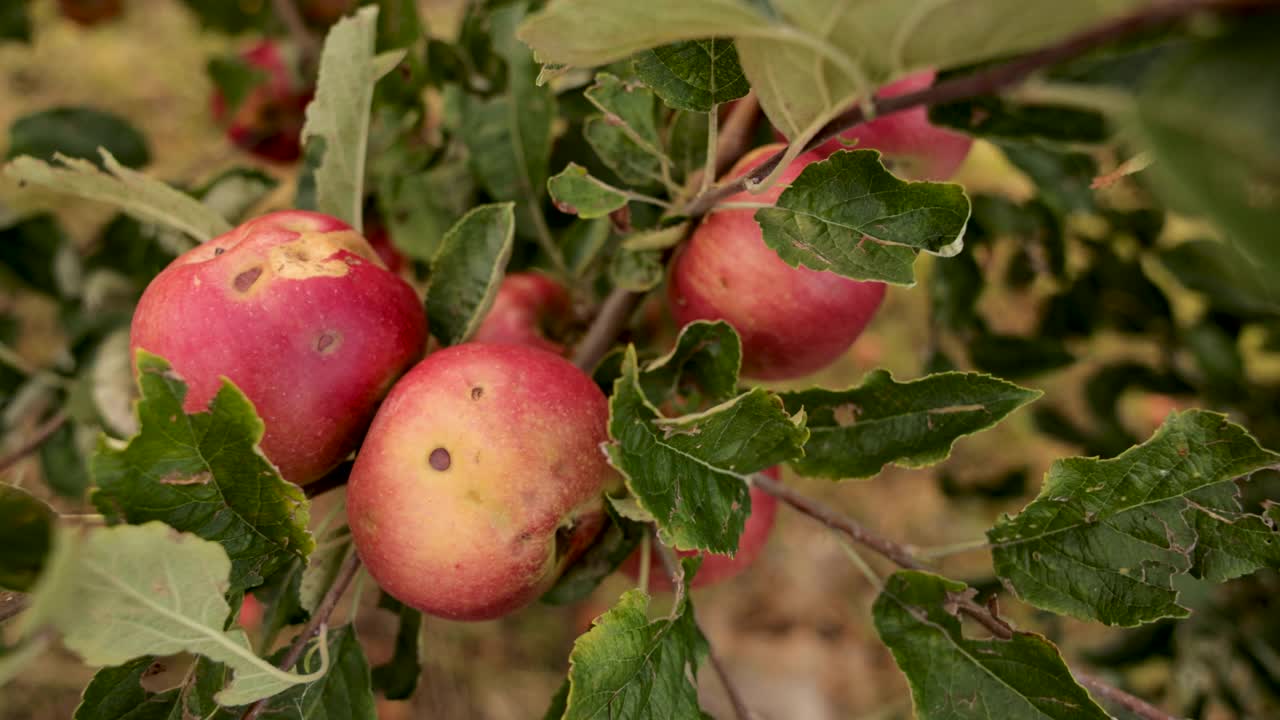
(268, 122)
(793, 320)
(527, 306)
(912, 147)
(718, 568)
(295, 309)
(481, 479)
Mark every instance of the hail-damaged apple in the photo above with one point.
(529, 307)
(295, 309)
(481, 479)
(718, 568)
(793, 320)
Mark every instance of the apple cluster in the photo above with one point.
(480, 475)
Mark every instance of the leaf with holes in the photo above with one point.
(854, 433)
(707, 353)
(1105, 538)
(575, 192)
(203, 473)
(851, 216)
(954, 677)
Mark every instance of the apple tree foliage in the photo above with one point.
(575, 136)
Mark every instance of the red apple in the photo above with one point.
(380, 239)
(480, 480)
(912, 147)
(91, 12)
(251, 612)
(528, 304)
(296, 310)
(268, 123)
(717, 568)
(793, 320)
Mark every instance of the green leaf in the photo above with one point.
(398, 677)
(1015, 357)
(854, 433)
(994, 116)
(420, 208)
(1226, 278)
(955, 284)
(850, 215)
(660, 239)
(142, 197)
(1064, 179)
(155, 592)
(231, 17)
(691, 472)
(29, 252)
(638, 271)
(707, 353)
(467, 271)
(116, 693)
(14, 22)
(345, 691)
(26, 531)
(234, 192)
(508, 136)
(614, 545)
(695, 75)
(687, 141)
(629, 667)
(322, 566)
(203, 473)
(1105, 538)
(582, 243)
(233, 79)
(340, 113)
(77, 132)
(1209, 122)
(577, 193)
(63, 464)
(955, 677)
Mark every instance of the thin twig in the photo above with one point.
(41, 436)
(287, 12)
(614, 313)
(12, 604)
(1135, 705)
(994, 78)
(319, 620)
(669, 563)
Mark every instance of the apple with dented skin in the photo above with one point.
(268, 122)
(295, 309)
(912, 147)
(481, 479)
(793, 320)
(718, 568)
(528, 305)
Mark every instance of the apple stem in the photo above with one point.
(991, 79)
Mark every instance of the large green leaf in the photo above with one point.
(340, 113)
(690, 473)
(953, 677)
(26, 531)
(854, 433)
(203, 473)
(467, 271)
(1105, 538)
(850, 215)
(694, 75)
(78, 132)
(508, 135)
(142, 197)
(628, 666)
(1209, 119)
(116, 693)
(1225, 276)
(155, 592)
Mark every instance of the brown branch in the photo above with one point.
(41, 436)
(287, 12)
(12, 604)
(996, 77)
(669, 563)
(613, 316)
(1135, 705)
(319, 620)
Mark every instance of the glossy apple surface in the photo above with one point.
(481, 478)
(528, 303)
(793, 321)
(296, 310)
(718, 568)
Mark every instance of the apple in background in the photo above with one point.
(295, 309)
(717, 568)
(324, 13)
(481, 479)
(91, 12)
(528, 305)
(380, 240)
(793, 320)
(268, 123)
(251, 612)
(912, 147)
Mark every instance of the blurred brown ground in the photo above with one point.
(795, 632)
